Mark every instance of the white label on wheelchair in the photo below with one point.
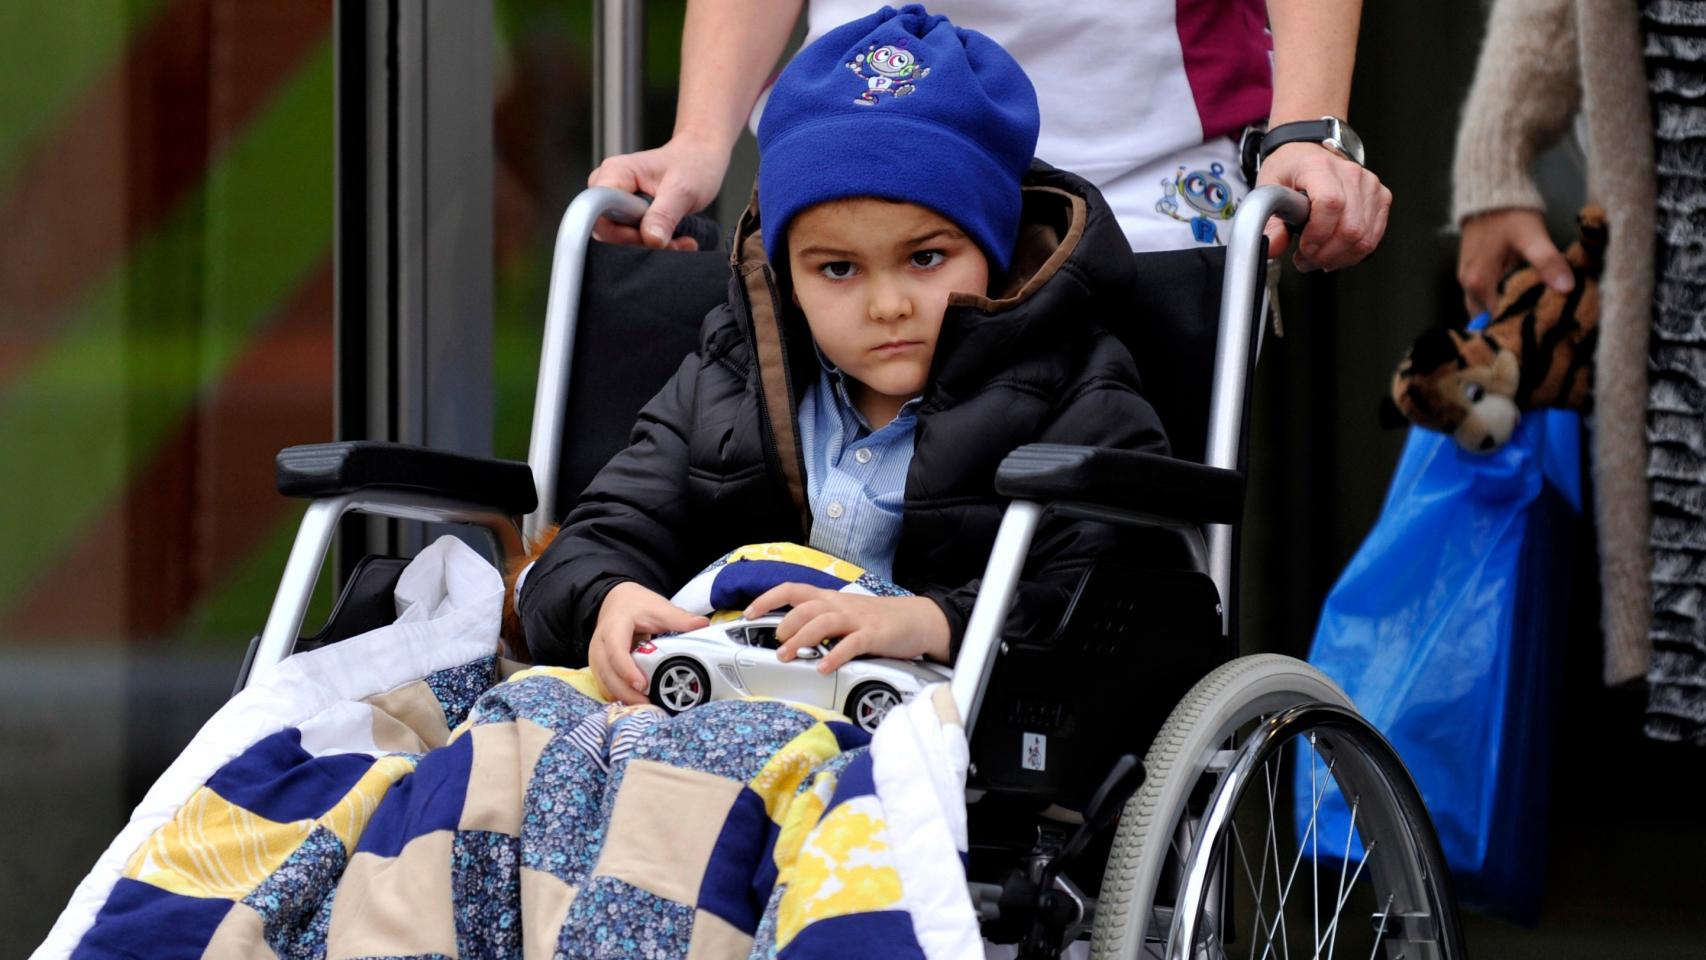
(1034, 756)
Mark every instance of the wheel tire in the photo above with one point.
(876, 692)
(1220, 704)
(668, 682)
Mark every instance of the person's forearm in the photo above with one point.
(1315, 44)
(728, 49)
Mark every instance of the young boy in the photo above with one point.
(912, 300)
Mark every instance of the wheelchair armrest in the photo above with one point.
(1141, 484)
(328, 469)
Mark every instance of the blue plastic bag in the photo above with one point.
(1442, 630)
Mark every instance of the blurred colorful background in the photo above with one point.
(169, 246)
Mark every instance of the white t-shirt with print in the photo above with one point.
(1143, 98)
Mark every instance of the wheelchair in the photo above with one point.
(1133, 783)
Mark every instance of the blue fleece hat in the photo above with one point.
(900, 105)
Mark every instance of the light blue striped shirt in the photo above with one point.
(855, 476)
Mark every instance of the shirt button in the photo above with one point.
(835, 510)
(863, 454)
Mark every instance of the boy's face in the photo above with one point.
(873, 279)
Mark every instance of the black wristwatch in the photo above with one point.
(1330, 132)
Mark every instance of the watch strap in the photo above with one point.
(1298, 131)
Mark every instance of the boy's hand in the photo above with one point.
(898, 627)
(631, 613)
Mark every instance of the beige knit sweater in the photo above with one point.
(1542, 61)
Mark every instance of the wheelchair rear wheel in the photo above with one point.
(1214, 858)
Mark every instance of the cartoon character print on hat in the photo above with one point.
(893, 70)
(1208, 198)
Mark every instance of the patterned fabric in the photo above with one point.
(1675, 50)
(855, 476)
(552, 823)
(723, 589)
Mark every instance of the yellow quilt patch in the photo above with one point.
(214, 848)
(801, 556)
(781, 776)
(803, 815)
(845, 866)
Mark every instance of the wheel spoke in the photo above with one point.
(1380, 932)
(1339, 910)
(1350, 834)
(1315, 847)
(1296, 862)
(1268, 840)
(1250, 715)
(1256, 892)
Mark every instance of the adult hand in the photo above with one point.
(682, 177)
(898, 627)
(631, 613)
(1348, 206)
(1493, 243)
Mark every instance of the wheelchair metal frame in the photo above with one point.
(1242, 308)
(1238, 337)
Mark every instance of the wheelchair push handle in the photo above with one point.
(556, 351)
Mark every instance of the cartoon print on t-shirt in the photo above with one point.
(893, 68)
(1208, 197)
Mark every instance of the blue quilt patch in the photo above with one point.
(855, 780)
(422, 802)
(458, 688)
(744, 581)
(486, 883)
(729, 738)
(277, 779)
(562, 829)
(613, 919)
(547, 701)
(142, 920)
(883, 933)
(736, 883)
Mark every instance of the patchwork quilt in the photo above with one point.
(407, 794)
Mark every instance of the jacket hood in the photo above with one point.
(1070, 252)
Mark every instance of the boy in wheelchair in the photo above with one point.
(913, 298)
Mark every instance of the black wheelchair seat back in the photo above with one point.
(640, 313)
(1172, 324)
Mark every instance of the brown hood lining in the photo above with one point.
(749, 263)
(1049, 231)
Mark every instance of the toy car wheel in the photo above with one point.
(680, 684)
(870, 704)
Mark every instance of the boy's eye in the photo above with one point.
(929, 258)
(837, 269)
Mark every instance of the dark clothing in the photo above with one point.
(713, 462)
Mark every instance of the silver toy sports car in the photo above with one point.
(738, 658)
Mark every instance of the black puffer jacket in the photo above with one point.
(714, 460)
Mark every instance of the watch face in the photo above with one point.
(1345, 140)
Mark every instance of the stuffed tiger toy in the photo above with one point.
(1536, 352)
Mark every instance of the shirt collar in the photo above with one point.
(838, 387)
